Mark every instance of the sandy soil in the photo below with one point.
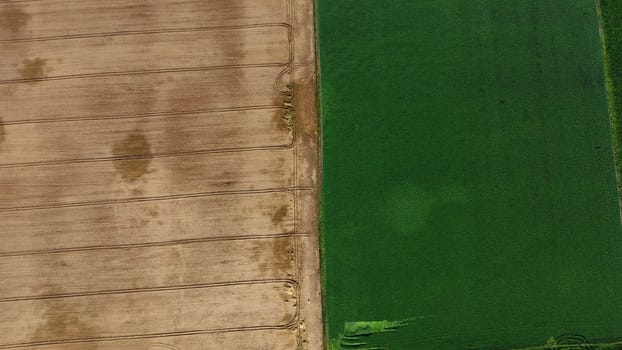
(158, 175)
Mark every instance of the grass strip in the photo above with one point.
(610, 19)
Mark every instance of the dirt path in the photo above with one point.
(158, 175)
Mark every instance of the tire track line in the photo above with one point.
(153, 244)
(148, 290)
(149, 199)
(146, 31)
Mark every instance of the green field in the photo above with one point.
(468, 176)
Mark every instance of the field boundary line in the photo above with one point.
(612, 102)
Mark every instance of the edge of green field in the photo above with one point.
(609, 15)
(320, 197)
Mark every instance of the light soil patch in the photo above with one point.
(158, 175)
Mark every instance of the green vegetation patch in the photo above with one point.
(610, 13)
(356, 334)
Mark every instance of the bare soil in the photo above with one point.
(158, 175)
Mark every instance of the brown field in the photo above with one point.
(158, 175)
